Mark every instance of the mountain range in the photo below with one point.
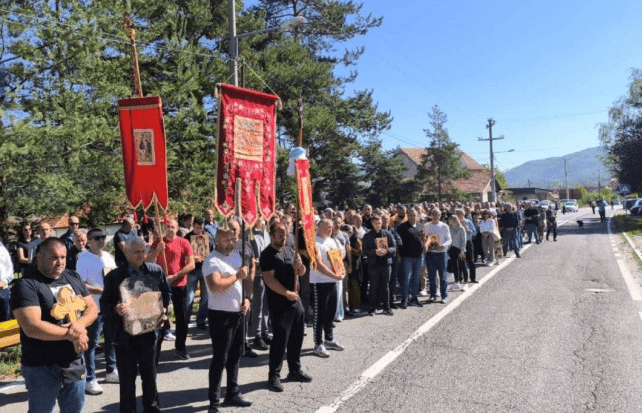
(583, 168)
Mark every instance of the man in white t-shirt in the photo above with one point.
(224, 272)
(92, 266)
(436, 257)
(323, 281)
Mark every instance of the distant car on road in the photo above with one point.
(533, 201)
(545, 203)
(571, 206)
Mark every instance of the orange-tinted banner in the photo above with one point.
(142, 133)
(304, 190)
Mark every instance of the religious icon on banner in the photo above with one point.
(200, 245)
(145, 301)
(144, 143)
(382, 243)
(337, 262)
(306, 202)
(248, 139)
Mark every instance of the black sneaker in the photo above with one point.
(388, 312)
(249, 352)
(259, 344)
(415, 303)
(299, 376)
(267, 339)
(403, 305)
(394, 306)
(182, 355)
(274, 384)
(202, 327)
(238, 400)
(371, 313)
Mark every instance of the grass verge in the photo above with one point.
(10, 362)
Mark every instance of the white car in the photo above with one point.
(544, 204)
(572, 206)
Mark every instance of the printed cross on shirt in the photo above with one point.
(67, 306)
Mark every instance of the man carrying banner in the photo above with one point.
(322, 280)
(280, 266)
(180, 262)
(224, 272)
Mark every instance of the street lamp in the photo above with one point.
(234, 38)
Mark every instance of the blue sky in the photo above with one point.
(546, 71)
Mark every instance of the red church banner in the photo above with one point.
(304, 191)
(246, 153)
(142, 133)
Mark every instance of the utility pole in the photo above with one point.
(489, 126)
(231, 8)
(566, 177)
(599, 181)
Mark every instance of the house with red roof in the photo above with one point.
(478, 185)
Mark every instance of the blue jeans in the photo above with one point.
(192, 280)
(520, 237)
(93, 332)
(5, 306)
(409, 280)
(436, 262)
(509, 241)
(531, 229)
(44, 388)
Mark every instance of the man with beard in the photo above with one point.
(225, 276)
(280, 267)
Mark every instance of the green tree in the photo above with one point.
(621, 135)
(440, 163)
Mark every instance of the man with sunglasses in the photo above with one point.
(68, 237)
(93, 264)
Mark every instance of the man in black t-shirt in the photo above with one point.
(52, 350)
(280, 266)
(412, 257)
(532, 221)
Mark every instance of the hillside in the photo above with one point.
(582, 169)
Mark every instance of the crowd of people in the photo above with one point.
(258, 289)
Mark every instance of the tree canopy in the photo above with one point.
(65, 63)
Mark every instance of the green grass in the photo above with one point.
(629, 224)
(10, 361)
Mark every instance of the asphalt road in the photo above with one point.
(558, 330)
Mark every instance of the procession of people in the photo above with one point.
(389, 257)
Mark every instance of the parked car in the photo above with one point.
(545, 203)
(628, 203)
(571, 206)
(617, 202)
(533, 201)
(636, 209)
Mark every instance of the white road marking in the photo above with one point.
(374, 370)
(630, 282)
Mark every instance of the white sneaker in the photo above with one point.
(423, 293)
(169, 336)
(320, 351)
(93, 388)
(455, 287)
(333, 345)
(112, 377)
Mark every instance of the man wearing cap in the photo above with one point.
(93, 264)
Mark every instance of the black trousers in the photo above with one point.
(179, 300)
(551, 228)
(226, 332)
(325, 306)
(392, 285)
(287, 327)
(454, 263)
(379, 286)
(138, 355)
(470, 261)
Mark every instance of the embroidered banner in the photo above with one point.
(246, 153)
(142, 133)
(304, 191)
